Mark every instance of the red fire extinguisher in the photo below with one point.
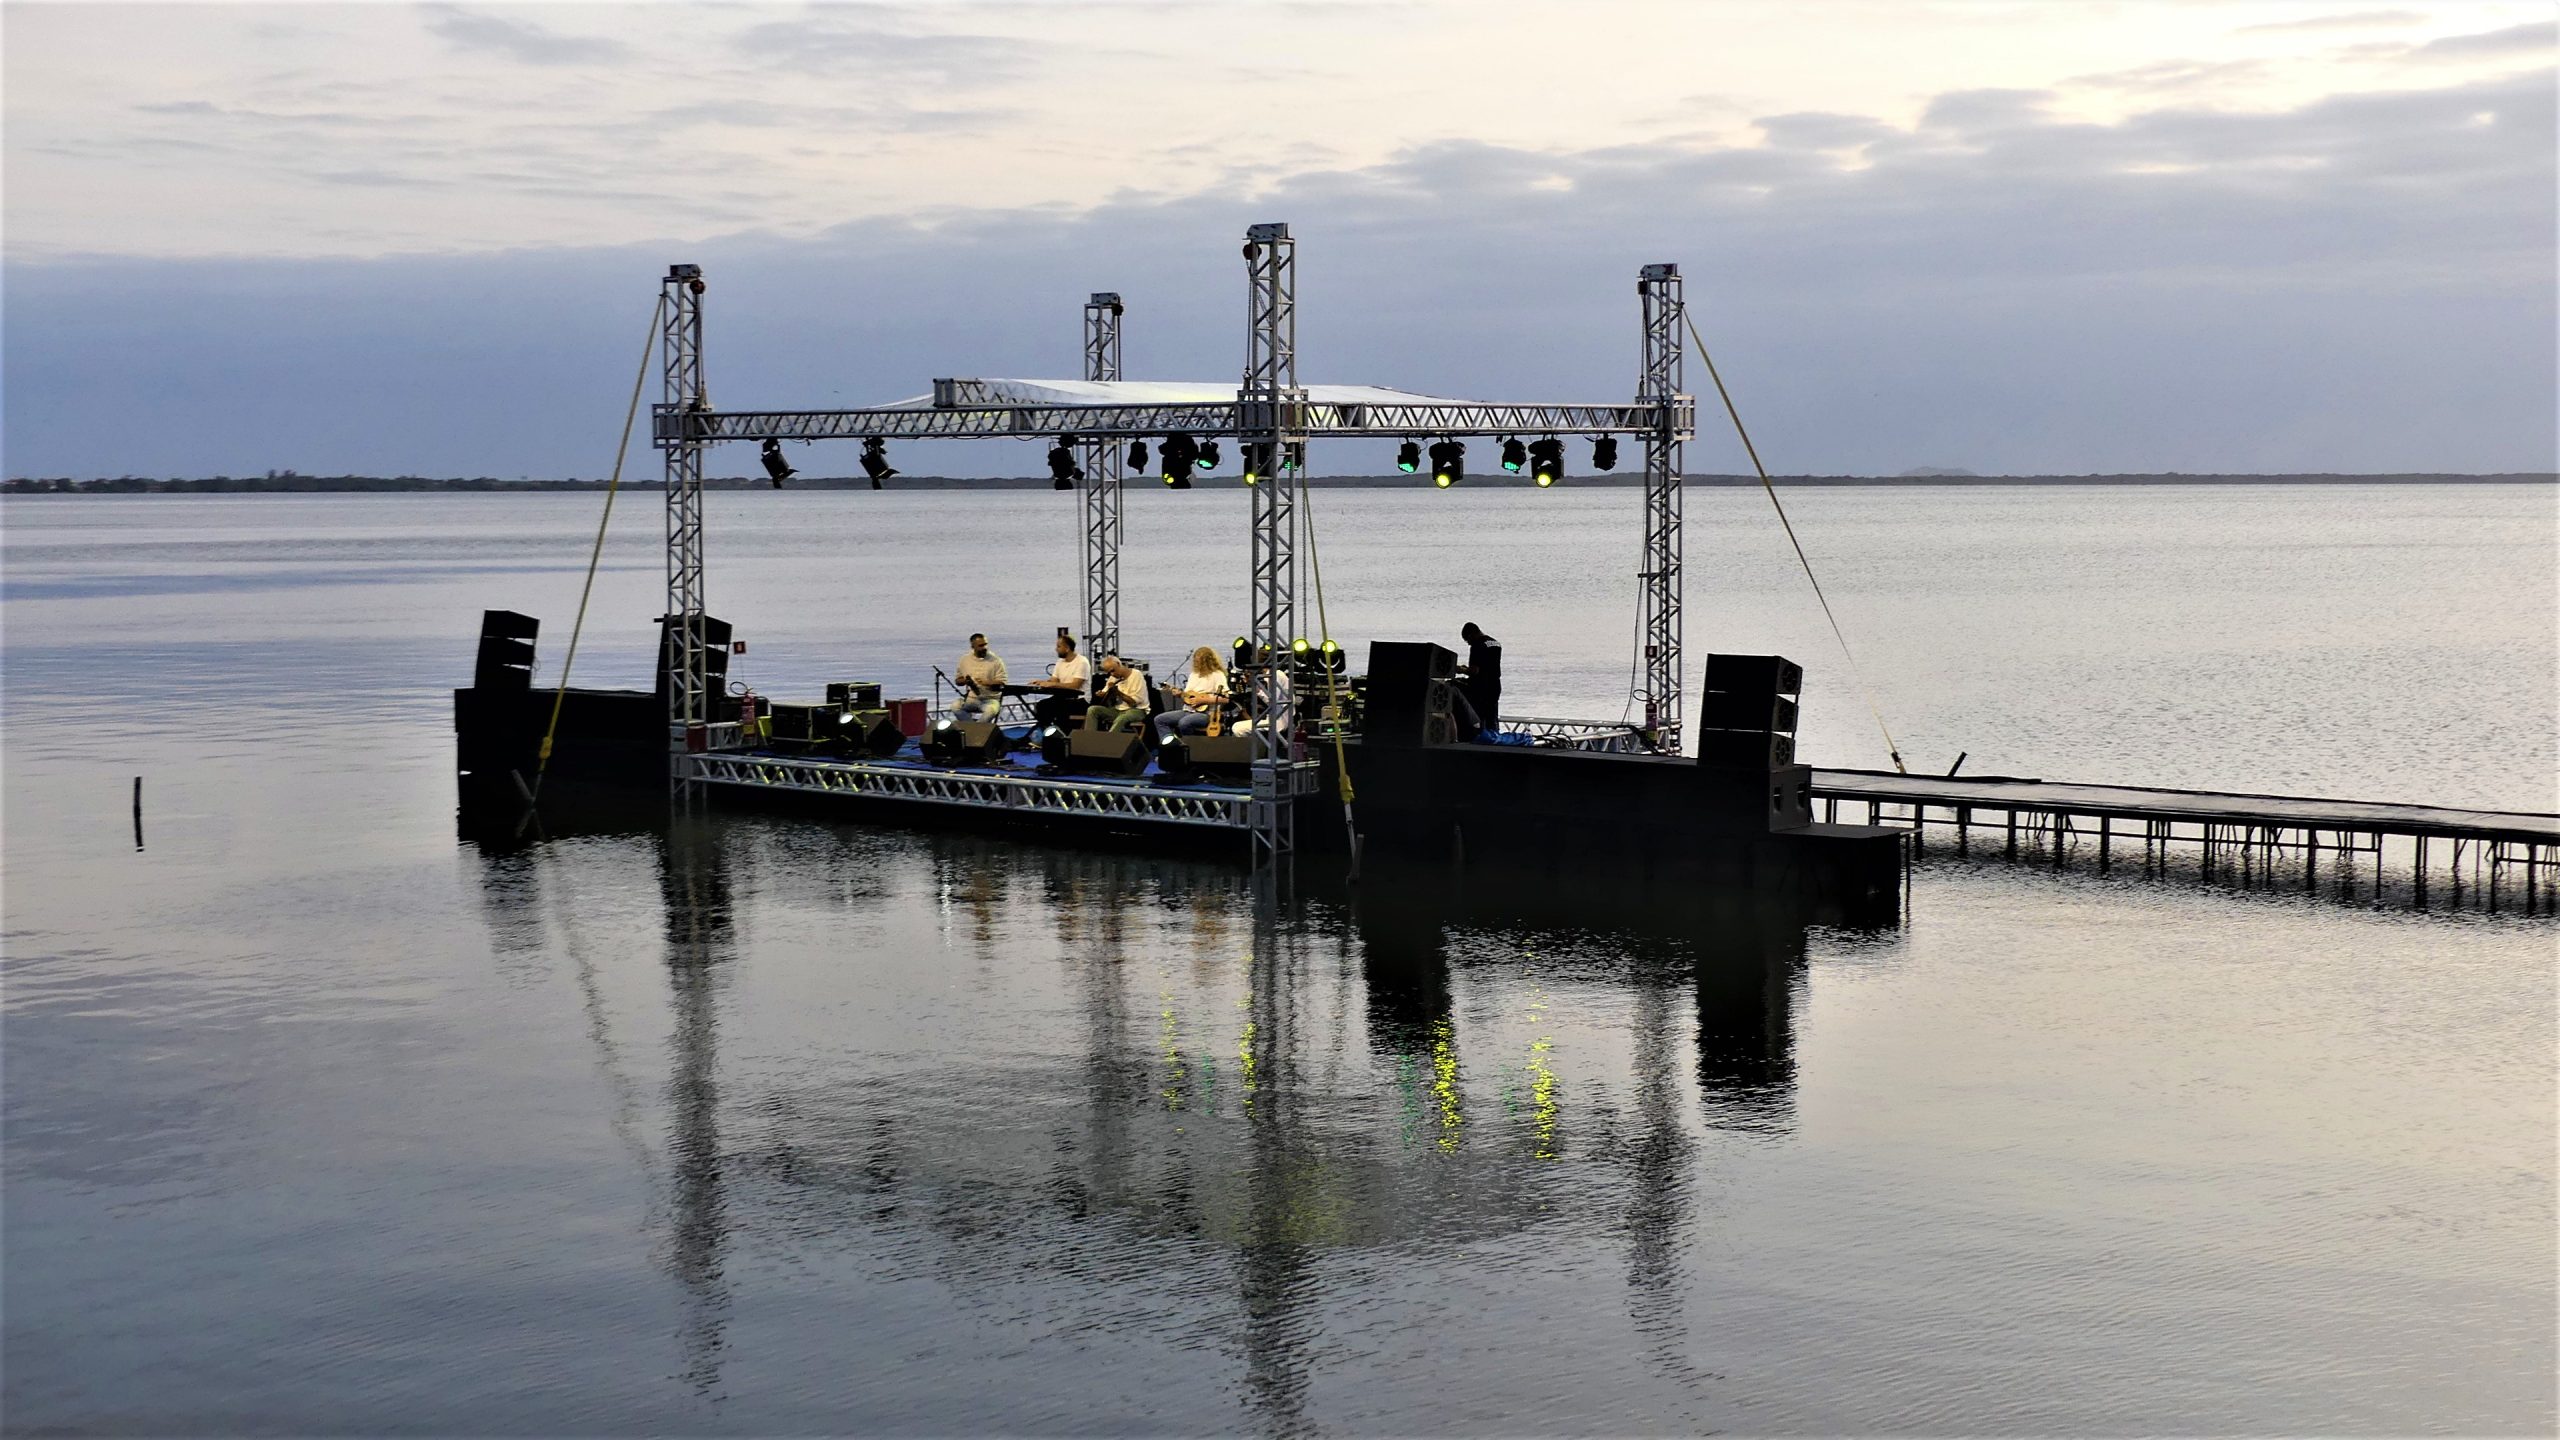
(747, 715)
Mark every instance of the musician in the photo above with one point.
(1065, 703)
(1204, 693)
(1123, 701)
(981, 681)
(1480, 682)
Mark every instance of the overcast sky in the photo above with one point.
(2015, 238)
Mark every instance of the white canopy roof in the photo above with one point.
(1152, 392)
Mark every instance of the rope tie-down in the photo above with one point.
(1855, 677)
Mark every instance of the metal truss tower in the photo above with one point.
(683, 399)
(1104, 472)
(1271, 408)
(1658, 605)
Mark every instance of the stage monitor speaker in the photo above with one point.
(1755, 674)
(963, 742)
(876, 733)
(1406, 701)
(1208, 757)
(1119, 752)
(1747, 710)
(1745, 749)
(854, 694)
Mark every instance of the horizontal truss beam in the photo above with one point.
(671, 426)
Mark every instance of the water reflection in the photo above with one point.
(1218, 1089)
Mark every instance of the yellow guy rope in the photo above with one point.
(1753, 451)
(1324, 632)
(611, 488)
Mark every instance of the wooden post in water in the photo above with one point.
(137, 812)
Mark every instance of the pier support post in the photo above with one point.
(683, 399)
(1658, 692)
(1272, 411)
(1105, 472)
(2106, 839)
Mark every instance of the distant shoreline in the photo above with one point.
(289, 484)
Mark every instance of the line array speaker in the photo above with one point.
(505, 661)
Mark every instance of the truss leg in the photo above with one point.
(683, 399)
(1658, 692)
(1105, 469)
(1271, 409)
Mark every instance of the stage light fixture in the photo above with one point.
(1409, 457)
(1604, 453)
(1333, 656)
(1207, 459)
(875, 460)
(1138, 456)
(775, 466)
(1448, 463)
(1293, 457)
(1546, 461)
(1257, 460)
(1176, 454)
(1514, 455)
(1064, 472)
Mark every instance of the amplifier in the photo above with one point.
(1745, 749)
(1747, 710)
(854, 694)
(805, 724)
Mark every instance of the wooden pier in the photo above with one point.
(2240, 836)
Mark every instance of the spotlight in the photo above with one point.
(1138, 455)
(1055, 746)
(1257, 460)
(1604, 453)
(1333, 656)
(1298, 648)
(1207, 459)
(774, 465)
(1409, 457)
(1294, 456)
(1240, 657)
(1448, 463)
(875, 460)
(1064, 472)
(1176, 455)
(1514, 455)
(1546, 461)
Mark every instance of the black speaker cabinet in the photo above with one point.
(1208, 757)
(1745, 749)
(1119, 752)
(1747, 710)
(963, 742)
(1407, 701)
(872, 732)
(801, 729)
(854, 694)
(715, 652)
(505, 661)
(1755, 674)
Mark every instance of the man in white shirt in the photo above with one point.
(1123, 701)
(981, 681)
(1065, 704)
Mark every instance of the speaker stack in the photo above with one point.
(1405, 704)
(505, 661)
(1747, 720)
(715, 654)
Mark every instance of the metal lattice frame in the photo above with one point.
(1271, 407)
(968, 420)
(1105, 470)
(1217, 809)
(1611, 737)
(683, 396)
(1658, 689)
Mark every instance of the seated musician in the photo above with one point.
(981, 681)
(1123, 701)
(1204, 692)
(1065, 703)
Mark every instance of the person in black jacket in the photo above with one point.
(1480, 679)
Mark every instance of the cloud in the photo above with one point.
(2360, 283)
(518, 40)
(2514, 40)
(834, 39)
(2351, 20)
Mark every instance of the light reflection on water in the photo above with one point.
(320, 1119)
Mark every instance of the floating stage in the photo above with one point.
(1445, 783)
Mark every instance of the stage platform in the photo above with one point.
(1007, 785)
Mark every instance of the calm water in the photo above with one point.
(319, 1118)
